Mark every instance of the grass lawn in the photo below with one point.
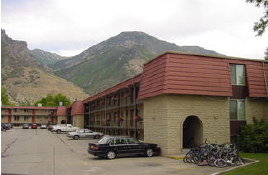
(260, 168)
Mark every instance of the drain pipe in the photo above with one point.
(265, 80)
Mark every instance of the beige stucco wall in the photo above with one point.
(78, 121)
(265, 111)
(38, 119)
(4, 119)
(257, 108)
(164, 116)
(60, 118)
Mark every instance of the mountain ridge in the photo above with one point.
(27, 79)
(94, 69)
(45, 57)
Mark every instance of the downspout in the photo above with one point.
(265, 80)
(135, 115)
(105, 114)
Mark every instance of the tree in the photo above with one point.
(260, 26)
(4, 97)
(51, 100)
(26, 103)
(254, 137)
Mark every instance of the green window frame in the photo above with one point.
(238, 74)
(237, 109)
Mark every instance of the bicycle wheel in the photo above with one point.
(211, 161)
(187, 158)
(220, 163)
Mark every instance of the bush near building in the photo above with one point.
(254, 137)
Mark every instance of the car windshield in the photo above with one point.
(104, 140)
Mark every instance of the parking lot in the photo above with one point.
(40, 152)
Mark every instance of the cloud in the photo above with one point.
(60, 25)
(68, 53)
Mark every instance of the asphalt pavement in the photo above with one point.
(40, 152)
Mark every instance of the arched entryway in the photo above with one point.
(192, 132)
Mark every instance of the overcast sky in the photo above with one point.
(68, 27)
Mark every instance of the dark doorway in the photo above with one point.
(63, 122)
(192, 132)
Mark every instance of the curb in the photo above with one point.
(176, 158)
(246, 164)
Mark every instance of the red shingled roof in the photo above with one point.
(77, 108)
(29, 107)
(196, 74)
(61, 111)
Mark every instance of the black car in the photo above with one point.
(110, 147)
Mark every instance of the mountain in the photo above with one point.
(47, 58)
(114, 60)
(15, 54)
(197, 49)
(25, 78)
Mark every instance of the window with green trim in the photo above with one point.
(237, 110)
(238, 74)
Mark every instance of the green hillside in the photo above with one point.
(114, 60)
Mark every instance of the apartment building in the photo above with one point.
(19, 115)
(179, 100)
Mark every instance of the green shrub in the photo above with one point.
(254, 137)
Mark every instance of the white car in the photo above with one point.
(64, 128)
(43, 127)
(84, 133)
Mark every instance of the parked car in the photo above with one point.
(10, 125)
(3, 128)
(84, 133)
(43, 127)
(110, 147)
(64, 128)
(49, 127)
(6, 126)
(25, 126)
(34, 126)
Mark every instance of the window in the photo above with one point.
(238, 74)
(132, 141)
(26, 110)
(26, 118)
(80, 131)
(16, 118)
(120, 141)
(237, 110)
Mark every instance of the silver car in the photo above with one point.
(84, 133)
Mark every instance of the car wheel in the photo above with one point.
(58, 131)
(96, 136)
(76, 137)
(111, 155)
(149, 152)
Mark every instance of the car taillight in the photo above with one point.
(95, 147)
